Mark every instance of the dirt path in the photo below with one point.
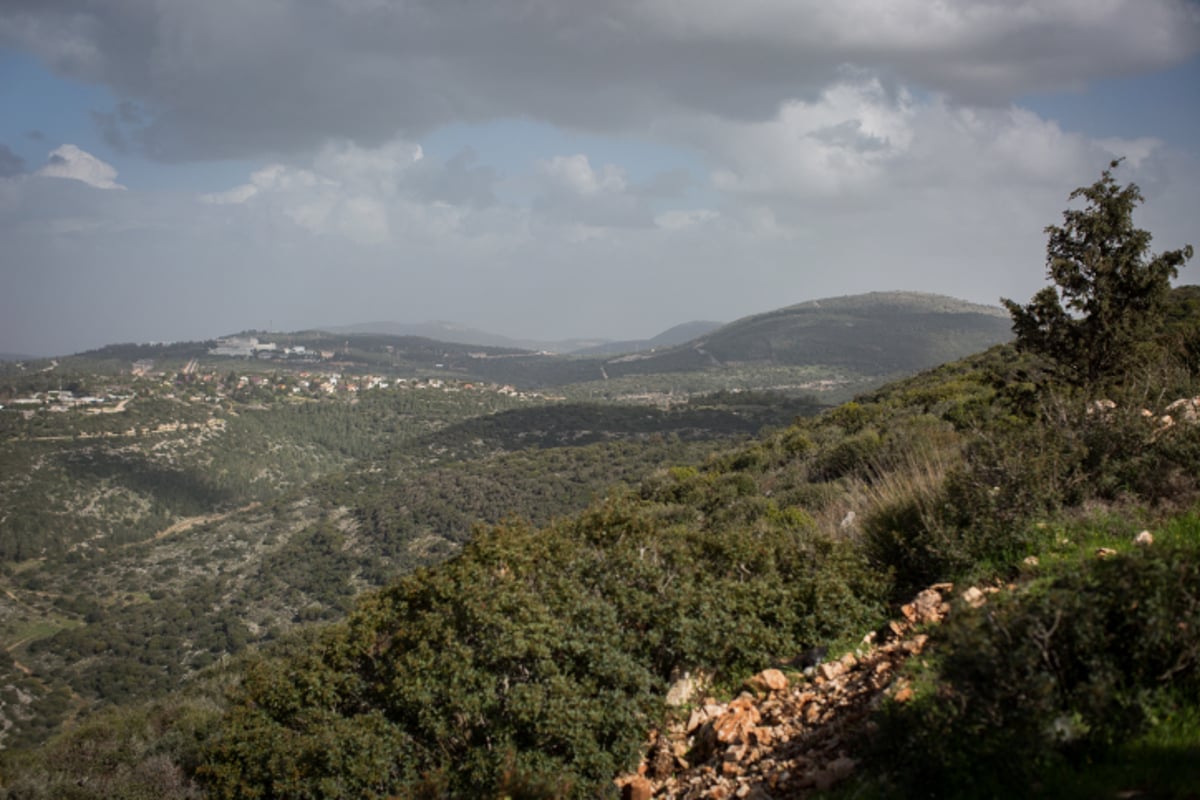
(187, 523)
(16, 663)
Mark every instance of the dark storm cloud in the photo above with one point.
(225, 78)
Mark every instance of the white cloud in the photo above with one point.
(575, 174)
(840, 142)
(349, 191)
(70, 162)
(682, 219)
(860, 146)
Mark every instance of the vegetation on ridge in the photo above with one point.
(532, 662)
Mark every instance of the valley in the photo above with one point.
(196, 543)
(168, 506)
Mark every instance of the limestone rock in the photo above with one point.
(684, 689)
(1186, 410)
(638, 788)
(785, 739)
(735, 725)
(769, 680)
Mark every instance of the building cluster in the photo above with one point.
(251, 347)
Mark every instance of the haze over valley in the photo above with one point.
(621, 398)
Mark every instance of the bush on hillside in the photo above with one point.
(1058, 672)
(541, 655)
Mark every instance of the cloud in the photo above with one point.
(590, 199)
(10, 163)
(682, 219)
(369, 196)
(226, 79)
(68, 161)
(859, 146)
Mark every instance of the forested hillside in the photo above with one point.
(499, 604)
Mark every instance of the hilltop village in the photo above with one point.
(297, 374)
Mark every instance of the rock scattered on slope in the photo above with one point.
(785, 738)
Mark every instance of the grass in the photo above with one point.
(1163, 763)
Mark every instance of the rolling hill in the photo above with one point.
(876, 333)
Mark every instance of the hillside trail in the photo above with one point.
(788, 738)
(187, 523)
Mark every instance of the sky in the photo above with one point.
(548, 169)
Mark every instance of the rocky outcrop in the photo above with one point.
(786, 737)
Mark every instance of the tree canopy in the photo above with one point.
(1109, 294)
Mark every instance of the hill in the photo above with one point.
(871, 334)
(534, 660)
(546, 677)
(462, 334)
(668, 338)
(545, 656)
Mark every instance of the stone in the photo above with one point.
(974, 597)
(928, 607)
(830, 670)
(683, 690)
(1144, 539)
(737, 722)
(637, 789)
(662, 759)
(698, 717)
(769, 680)
(1030, 561)
(1186, 410)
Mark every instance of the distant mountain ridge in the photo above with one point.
(679, 334)
(442, 331)
(875, 333)
(851, 342)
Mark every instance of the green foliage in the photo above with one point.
(495, 661)
(141, 752)
(1058, 673)
(1109, 296)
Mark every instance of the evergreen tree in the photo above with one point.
(1110, 293)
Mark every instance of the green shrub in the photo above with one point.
(540, 657)
(1058, 673)
(848, 455)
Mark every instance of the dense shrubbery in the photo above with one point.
(1059, 672)
(543, 654)
(538, 657)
